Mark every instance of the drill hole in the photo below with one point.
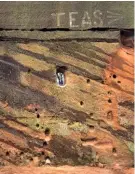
(45, 143)
(38, 116)
(31, 159)
(114, 76)
(21, 153)
(91, 127)
(102, 82)
(29, 70)
(47, 131)
(109, 92)
(61, 69)
(36, 109)
(109, 101)
(119, 81)
(88, 80)
(42, 153)
(114, 150)
(7, 153)
(37, 125)
(81, 103)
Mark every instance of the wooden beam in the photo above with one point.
(71, 15)
(60, 35)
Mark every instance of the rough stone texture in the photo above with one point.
(90, 119)
(63, 170)
(86, 126)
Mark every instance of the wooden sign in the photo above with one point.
(66, 15)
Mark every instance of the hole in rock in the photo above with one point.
(109, 101)
(37, 125)
(81, 103)
(38, 116)
(114, 76)
(88, 80)
(47, 131)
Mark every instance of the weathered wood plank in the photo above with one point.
(68, 15)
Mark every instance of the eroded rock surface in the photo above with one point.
(87, 122)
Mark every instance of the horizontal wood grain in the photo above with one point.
(110, 36)
(68, 15)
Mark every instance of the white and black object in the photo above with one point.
(60, 76)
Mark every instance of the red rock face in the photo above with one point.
(64, 170)
(88, 122)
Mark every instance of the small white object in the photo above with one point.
(60, 79)
(47, 161)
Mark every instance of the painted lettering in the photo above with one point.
(72, 19)
(86, 20)
(58, 18)
(98, 15)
